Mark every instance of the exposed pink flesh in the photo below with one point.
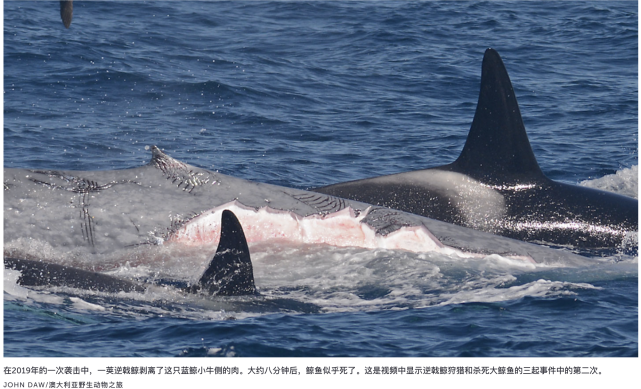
(341, 229)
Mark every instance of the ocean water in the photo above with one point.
(304, 94)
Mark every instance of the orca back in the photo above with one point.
(38, 273)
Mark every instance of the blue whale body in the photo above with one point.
(497, 186)
(103, 219)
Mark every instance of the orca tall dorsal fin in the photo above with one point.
(230, 272)
(497, 147)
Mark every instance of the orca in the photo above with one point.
(229, 273)
(110, 217)
(497, 186)
(66, 12)
(39, 273)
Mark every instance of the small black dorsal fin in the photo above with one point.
(230, 272)
(66, 12)
(497, 147)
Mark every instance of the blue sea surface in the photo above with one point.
(305, 94)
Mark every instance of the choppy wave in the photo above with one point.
(305, 279)
(624, 182)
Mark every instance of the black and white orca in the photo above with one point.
(497, 186)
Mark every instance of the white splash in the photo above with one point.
(624, 182)
(80, 304)
(14, 292)
(491, 293)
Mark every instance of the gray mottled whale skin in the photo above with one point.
(496, 184)
(81, 214)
